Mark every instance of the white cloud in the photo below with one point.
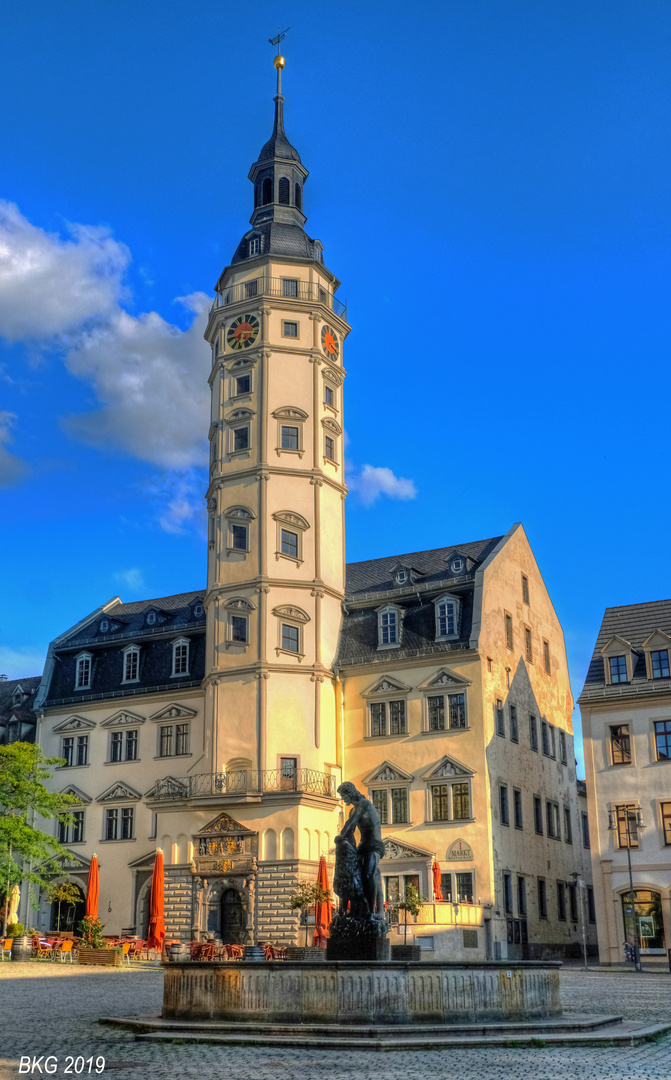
(181, 502)
(132, 579)
(21, 663)
(151, 379)
(12, 468)
(375, 480)
(49, 285)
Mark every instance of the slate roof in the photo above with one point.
(371, 581)
(22, 711)
(175, 618)
(634, 623)
(373, 575)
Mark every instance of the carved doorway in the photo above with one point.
(231, 917)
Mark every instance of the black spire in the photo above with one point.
(278, 176)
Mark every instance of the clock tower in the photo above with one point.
(276, 545)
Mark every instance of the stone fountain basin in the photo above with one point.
(358, 992)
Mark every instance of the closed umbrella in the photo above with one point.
(323, 908)
(437, 891)
(14, 898)
(92, 890)
(156, 920)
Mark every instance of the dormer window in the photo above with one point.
(151, 618)
(659, 664)
(131, 664)
(457, 565)
(447, 617)
(83, 671)
(402, 577)
(198, 610)
(255, 246)
(388, 627)
(104, 626)
(180, 657)
(618, 669)
(619, 660)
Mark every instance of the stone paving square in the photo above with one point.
(48, 1009)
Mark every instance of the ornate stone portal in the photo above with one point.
(225, 868)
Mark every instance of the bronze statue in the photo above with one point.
(357, 881)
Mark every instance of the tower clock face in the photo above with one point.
(242, 332)
(330, 344)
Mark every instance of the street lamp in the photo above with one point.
(614, 826)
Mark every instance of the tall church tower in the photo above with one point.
(276, 558)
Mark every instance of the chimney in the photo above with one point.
(3, 678)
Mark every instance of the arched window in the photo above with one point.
(258, 194)
(287, 843)
(299, 197)
(267, 191)
(283, 191)
(307, 844)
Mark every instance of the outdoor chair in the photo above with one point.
(137, 950)
(7, 949)
(125, 953)
(195, 949)
(65, 951)
(45, 949)
(207, 951)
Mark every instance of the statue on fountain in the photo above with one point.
(359, 929)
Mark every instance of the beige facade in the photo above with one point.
(626, 716)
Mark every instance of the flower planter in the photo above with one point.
(100, 956)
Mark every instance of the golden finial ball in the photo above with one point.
(279, 62)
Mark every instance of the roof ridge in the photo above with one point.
(425, 551)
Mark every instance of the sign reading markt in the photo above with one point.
(460, 851)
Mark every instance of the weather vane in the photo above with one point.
(280, 36)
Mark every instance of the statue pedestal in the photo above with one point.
(355, 938)
(363, 948)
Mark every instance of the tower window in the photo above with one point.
(290, 637)
(290, 329)
(239, 537)
(239, 629)
(328, 395)
(290, 287)
(290, 543)
(241, 438)
(329, 448)
(283, 191)
(243, 385)
(255, 245)
(298, 197)
(289, 438)
(251, 288)
(267, 191)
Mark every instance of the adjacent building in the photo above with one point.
(218, 724)
(18, 721)
(626, 716)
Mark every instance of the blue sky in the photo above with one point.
(490, 182)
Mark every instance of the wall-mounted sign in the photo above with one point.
(460, 851)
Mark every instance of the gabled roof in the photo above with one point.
(634, 623)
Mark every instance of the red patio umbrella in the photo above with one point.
(156, 920)
(323, 909)
(437, 891)
(92, 890)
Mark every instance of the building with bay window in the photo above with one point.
(626, 716)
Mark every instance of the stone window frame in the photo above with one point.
(525, 589)
(547, 661)
(395, 785)
(291, 322)
(387, 700)
(173, 725)
(656, 642)
(78, 739)
(239, 420)
(504, 806)
(125, 731)
(116, 813)
(241, 516)
(528, 645)
(246, 373)
(179, 643)
(295, 617)
(611, 740)
(291, 416)
(399, 612)
(614, 648)
(450, 782)
(296, 524)
(331, 430)
(237, 607)
(509, 632)
(65, 832)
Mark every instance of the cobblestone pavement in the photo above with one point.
(48, 1009)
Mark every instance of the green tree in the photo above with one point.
(411, 905)
(23, 768)
(305, 896)
(65, 892)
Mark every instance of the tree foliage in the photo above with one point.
(64, 892)
(26, 852)
(307, 894)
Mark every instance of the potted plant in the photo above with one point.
(410, 905)
(303, 898)
(92, 948)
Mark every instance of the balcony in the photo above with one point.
(284, 288)
(245, 782)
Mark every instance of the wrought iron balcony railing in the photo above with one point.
(245, 782)
(287, 288)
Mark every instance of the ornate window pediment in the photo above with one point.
(224, 823)
(448, 617)
(398, 849)
(74, 723)
(657, 640)
(290, 412)
(288, 611)
(119, 792)
(333, 375)
(618, 662)
(385, 686)
(239, 603)
(388, 773)
(76, 793)
(291, 518)
(173, 712)
(167, 786)
(389, 624)
(447, 768)
(331, 425)
(239, 416)
(242, 362)
(443, 680)
(242, 512)
(123, 719)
